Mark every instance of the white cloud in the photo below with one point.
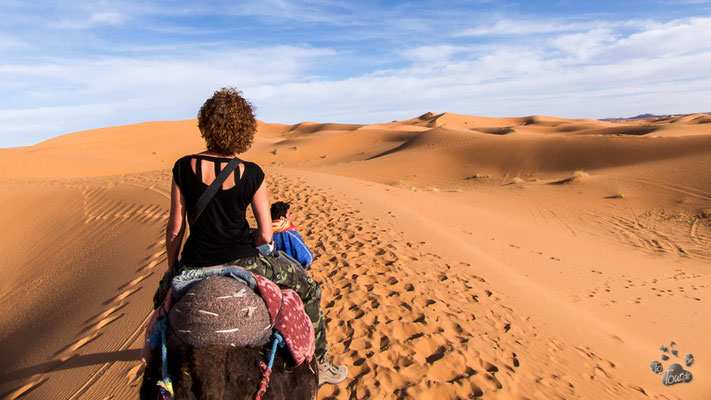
(8, 42)
(511, 27)
(109, 18)
(438, 53)
(126, 90)
(132, 75)
(585, 45)
(672, 38)
(592, 73)
(504, 27)
(21, 127)
(593, 92)
(92, 20)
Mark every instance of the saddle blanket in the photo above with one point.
(286, 310)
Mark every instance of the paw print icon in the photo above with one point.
(676, 373)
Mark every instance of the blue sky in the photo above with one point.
(67, 66)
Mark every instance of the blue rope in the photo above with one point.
(278, 341)
(159, 333)
(267, 369)
(164, 349)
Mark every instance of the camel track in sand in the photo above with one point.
(422, 324)
(104, 211)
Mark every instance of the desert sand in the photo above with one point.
(459, 256)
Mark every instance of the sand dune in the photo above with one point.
(689, 119)
(313, 127)
(451, 267)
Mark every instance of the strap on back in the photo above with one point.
(211, 190)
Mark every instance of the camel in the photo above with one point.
(226, 365)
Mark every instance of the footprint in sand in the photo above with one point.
(122, 295)
(134, 374)
(71, 348)
(135, 281)
(106, 313)
(102, 323)
(436, 356)
(26, 388)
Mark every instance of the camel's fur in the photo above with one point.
(217, 372)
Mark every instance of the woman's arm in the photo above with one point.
(175, 229)
(260, 207)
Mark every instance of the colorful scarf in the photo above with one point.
(282, 225)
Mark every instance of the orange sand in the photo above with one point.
(456, 257)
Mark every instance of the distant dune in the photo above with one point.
(460, 256)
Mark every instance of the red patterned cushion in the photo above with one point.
(293, 323)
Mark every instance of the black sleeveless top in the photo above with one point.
(221, 234)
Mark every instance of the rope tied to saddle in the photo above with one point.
(166, 384)
(267, 368)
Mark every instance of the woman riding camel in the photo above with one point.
(221, 235)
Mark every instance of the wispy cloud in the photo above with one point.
(522, 27)
(92, 20)
(526, 26)
(136, 89)
(8, 42)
